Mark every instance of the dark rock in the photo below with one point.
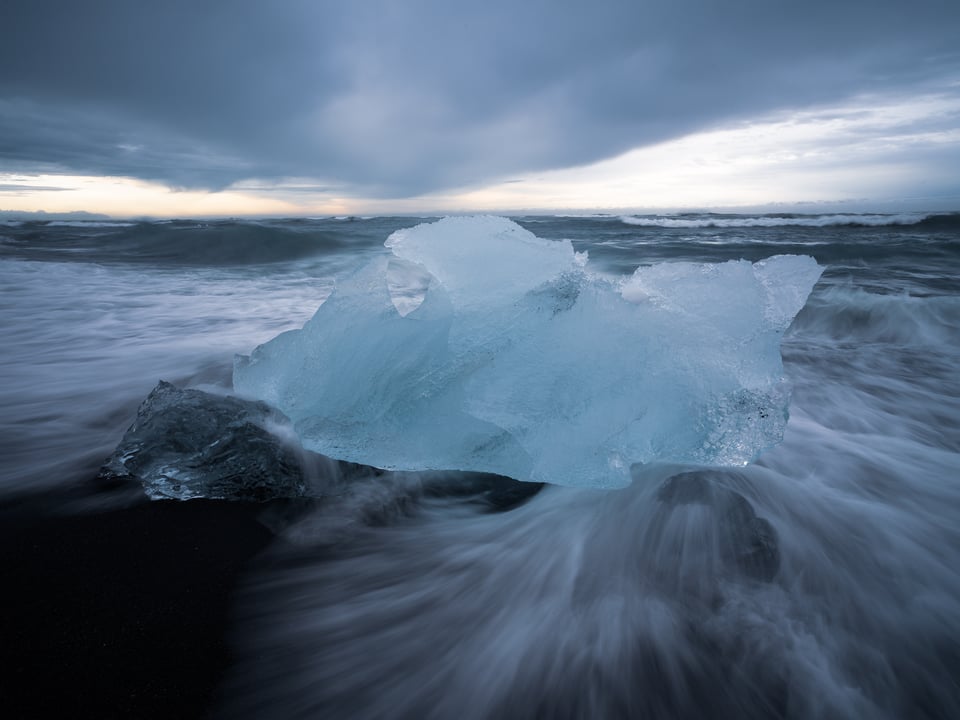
(747, 543)
(502, 493)
(493, 493)
(188, 444)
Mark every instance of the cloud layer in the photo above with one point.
(396, 99)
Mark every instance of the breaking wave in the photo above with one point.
(88, 224)
(780, 220)
(851, 315)
(222, 243)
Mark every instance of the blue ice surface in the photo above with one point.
(520, 361)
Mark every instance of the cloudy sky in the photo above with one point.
(294, 107)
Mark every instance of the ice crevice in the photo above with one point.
(520, 361)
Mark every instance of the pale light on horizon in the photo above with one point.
(128, 197)
(870, 148)
(864, 150)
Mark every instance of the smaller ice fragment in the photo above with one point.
(188, 444)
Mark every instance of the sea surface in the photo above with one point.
(579, 604)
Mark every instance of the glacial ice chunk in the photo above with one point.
(519, 361)
(187, 444)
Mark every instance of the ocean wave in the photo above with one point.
(582, 215)
(179, 243)
(735, 221)
(845, 314)
(89, 224)
(226, 243)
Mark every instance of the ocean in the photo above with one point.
(577, 603)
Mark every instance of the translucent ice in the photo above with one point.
(520, 362)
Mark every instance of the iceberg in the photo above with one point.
(509, 356)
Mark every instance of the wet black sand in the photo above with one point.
(119, 612)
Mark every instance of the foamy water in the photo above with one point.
(389, 602)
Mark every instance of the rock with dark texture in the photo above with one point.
(188, 444)
(747, 544)
(490, 492)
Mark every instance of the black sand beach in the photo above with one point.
(122, 612)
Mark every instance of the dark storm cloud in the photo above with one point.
(398, 98)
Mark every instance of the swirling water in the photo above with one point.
(394, 603)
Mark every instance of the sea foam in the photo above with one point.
(744, 221)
